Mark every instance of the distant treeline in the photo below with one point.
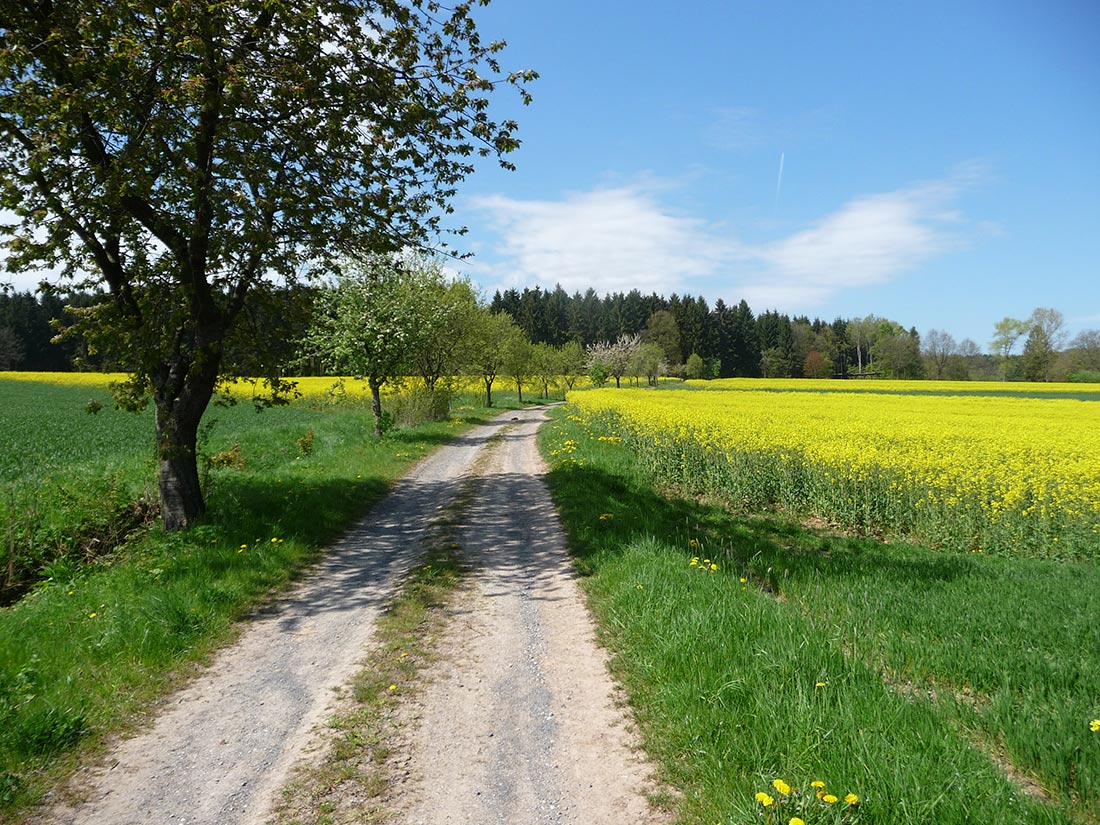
(719, 341)
(731, 341)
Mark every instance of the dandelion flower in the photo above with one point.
(393, 687)
(764, 799)
(820, 685)
(781, 786)
(91, 615)
(1094, 725)
(743, 580)
(795, 820)
(817, 783)
(829, 798)
(852, 799)
(639, 587)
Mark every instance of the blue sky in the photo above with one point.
(937, 163)
(940, 160)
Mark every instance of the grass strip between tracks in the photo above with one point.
(349, 780)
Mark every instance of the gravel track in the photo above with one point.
(516, 722)
(518, 725)
(224, 744)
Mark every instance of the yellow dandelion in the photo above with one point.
(820, 685)
(852, 799)
(829, 798)
(713, 567)
(744, 580)
(817, 783)
(1094, 725)
(393, 687)
(639, 587)
(781, 786)
(795, 820)
(91, 615)
(764, 799)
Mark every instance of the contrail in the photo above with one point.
(778, 182)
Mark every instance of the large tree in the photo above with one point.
(192, 154)
(939, 347)
(1006, 333)
(615, 357)
(492, 336)
(371, 322)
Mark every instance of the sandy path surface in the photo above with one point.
(518, 724)
(224, 745)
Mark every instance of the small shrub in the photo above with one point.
(419, 405)
(305, 443)
(231, 458)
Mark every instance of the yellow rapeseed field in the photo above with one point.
(1005, 474)
(309, 387)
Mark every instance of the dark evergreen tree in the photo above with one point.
(530, 315)
(634, 313)
(722, 325)
(557, 316)
(745, 342)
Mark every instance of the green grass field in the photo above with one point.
(936, 687)
(104, 631)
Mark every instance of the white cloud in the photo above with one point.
(869, 240)
(616, 239)
(611, 239)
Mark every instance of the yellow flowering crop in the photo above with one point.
(982, 473)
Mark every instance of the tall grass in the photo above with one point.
(936, 687)
(98, 637)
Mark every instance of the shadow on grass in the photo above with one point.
(769, 549)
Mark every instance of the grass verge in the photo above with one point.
(929, 686)
(87, 652)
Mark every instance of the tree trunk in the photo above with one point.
(488, 392)
(376, 404)
(519, 390)
(181, 500)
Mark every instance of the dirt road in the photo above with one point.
(519, 728)
(519, 725)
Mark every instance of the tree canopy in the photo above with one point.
(191, 156)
